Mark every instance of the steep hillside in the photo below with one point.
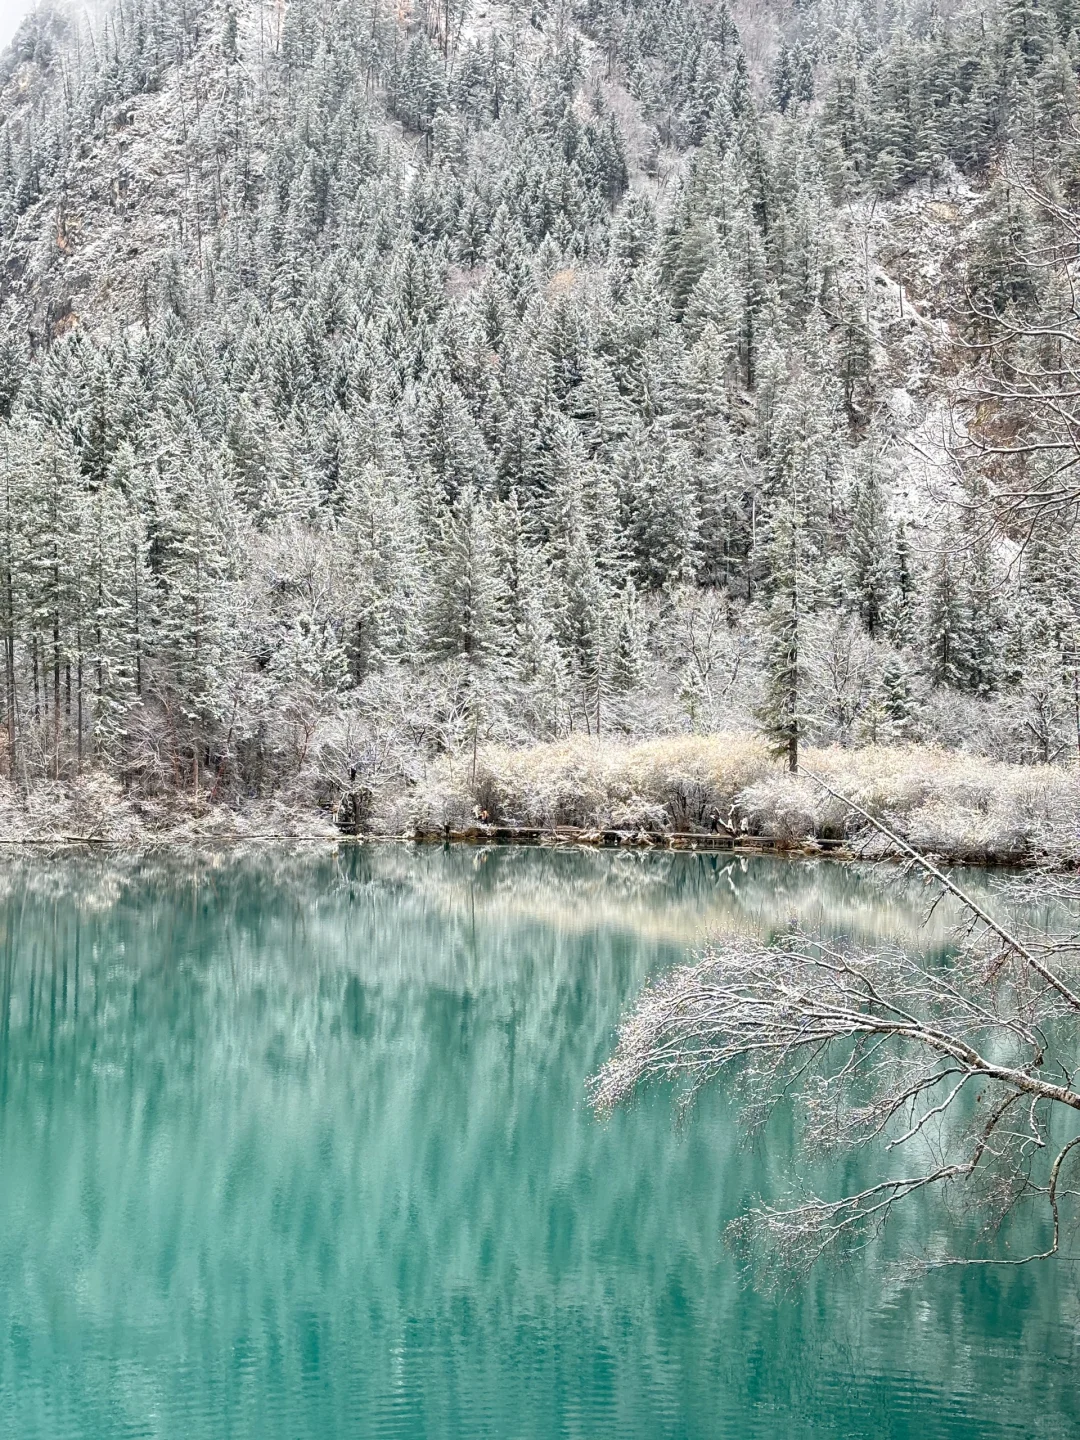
(381, 380)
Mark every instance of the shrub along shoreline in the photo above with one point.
(957, 807)
(724, 789)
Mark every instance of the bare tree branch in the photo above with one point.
(1006, 937)
(955, 1062)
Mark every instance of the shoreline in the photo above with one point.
(719, 793)
(558, 838)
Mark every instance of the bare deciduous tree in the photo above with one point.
(1021, 422)
(961, 1068)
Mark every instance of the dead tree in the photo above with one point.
(964, 1065)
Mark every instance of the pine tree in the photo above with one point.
(871, 568)
(465, 618)
(660, 513)
(1000, 276)
(947, 623)
(782, 712)
(896, 696)
(380, 554)
(196, 552)
(628, 663)
(980, 604)
(900, 621)
(114, 602)
(584, 626)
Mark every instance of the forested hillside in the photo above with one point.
(383, 380)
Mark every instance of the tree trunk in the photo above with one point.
(138, 635)
(79, 704)
(56, 691)
(9, 666)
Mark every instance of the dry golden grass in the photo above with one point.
(949, 804)
(582, 781)
(946, 802)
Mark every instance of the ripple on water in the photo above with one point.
(283, 1165)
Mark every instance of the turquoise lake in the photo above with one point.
(294, 1145)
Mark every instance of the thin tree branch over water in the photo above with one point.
(959, 1069)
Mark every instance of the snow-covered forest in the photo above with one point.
(381, 381)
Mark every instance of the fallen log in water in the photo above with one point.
(573, 835)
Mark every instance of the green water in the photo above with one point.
(294, 1146)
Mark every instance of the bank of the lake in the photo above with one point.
(715, 791)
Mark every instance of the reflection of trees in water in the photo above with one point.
(318, 1121)
(342, 1122)
(292, 928)
(663, 893)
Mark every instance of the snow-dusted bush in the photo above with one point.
(963, 806)
(679, 781)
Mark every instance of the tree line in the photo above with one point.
(522, 379)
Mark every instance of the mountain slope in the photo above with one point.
(380, 381)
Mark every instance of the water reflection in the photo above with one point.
(295, 1146)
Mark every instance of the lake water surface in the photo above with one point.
(295, 1146)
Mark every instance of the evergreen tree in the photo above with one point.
(947, 622)
(629, 659)
(465, 618)
(900, 621)
(783, 712)
(896, 697)
(871, 568)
